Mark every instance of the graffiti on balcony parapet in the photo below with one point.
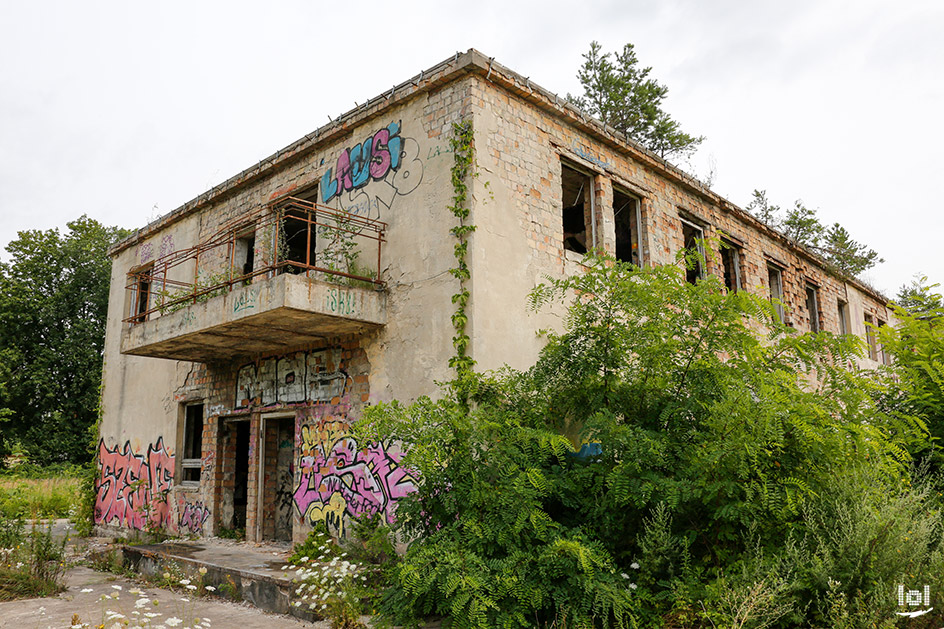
(132, 488)
(371, 174)
(296, 378)
(245, 300)
(337, 478)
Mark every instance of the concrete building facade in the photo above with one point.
(245, 336)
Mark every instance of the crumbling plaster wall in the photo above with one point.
(520, 147)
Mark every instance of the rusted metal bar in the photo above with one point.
(261, 217)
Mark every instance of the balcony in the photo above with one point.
(286, 275)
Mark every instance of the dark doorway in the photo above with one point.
(241, 475)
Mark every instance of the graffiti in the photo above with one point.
(132, 488)
(167, 245)
(245, 301)
(145, 252)
(341, 301)
(302, 377)
(192, 517)
(388, 161)
(590, 157)
(338, 478)
(436, 151)
(188, 316)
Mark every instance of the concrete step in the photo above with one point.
(241, 571)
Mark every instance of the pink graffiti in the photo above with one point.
(193, 516)
(369, 480)
(132, 488)
(362, 163)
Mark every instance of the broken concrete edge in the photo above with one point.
(263, 591)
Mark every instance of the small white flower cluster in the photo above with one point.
(634, 566)
(143, 616)
(323, 578)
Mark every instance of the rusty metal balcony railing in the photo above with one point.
(289, 235)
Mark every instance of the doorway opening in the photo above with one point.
(276, 475)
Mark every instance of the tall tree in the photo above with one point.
(623, 95)
(53, 305)
(802, 225)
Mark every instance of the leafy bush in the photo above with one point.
(720, 439)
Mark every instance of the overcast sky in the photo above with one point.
(126, 110)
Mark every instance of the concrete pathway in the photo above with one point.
(83, 601)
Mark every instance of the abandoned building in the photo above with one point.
(250, 327)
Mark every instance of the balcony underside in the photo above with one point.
(267, 317)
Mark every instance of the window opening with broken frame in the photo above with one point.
(193, 443)
(812, 306)
(870, 339)
(693, 239)
(843, 308)
(627, 215)
(244, 254)
(141, 295)
(731, 261)
(576, 196)
(883, 356)
(775, 284)
(298, 235)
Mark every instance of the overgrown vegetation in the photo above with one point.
(801, 225)
(664, 465)
(53, 304)
(463, 168)
(32, 562)
(623, 96)
(343, 580)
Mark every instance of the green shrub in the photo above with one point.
(718, 445)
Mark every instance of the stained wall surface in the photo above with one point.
(276, 454)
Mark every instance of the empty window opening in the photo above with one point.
(628, 217)
(193, 443)
(775, 283)
(731, 260)
(298, 240)
(870, 338)
(245, 253)
(843, 308)
(693, 238)
(883, 356)
(576, 193)
(812, 307)
(141, 295)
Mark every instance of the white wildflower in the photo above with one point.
(185, 581)
(633, 586)
(116, 587)
(87, 590)
(210, 588)
(173, 621)
(634, 566)
(202, 570)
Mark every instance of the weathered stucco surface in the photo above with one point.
(279, 368)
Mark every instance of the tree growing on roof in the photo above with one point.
(803, 226)
(624, 96)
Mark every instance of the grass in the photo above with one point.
(31, 563)
(38, 497)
